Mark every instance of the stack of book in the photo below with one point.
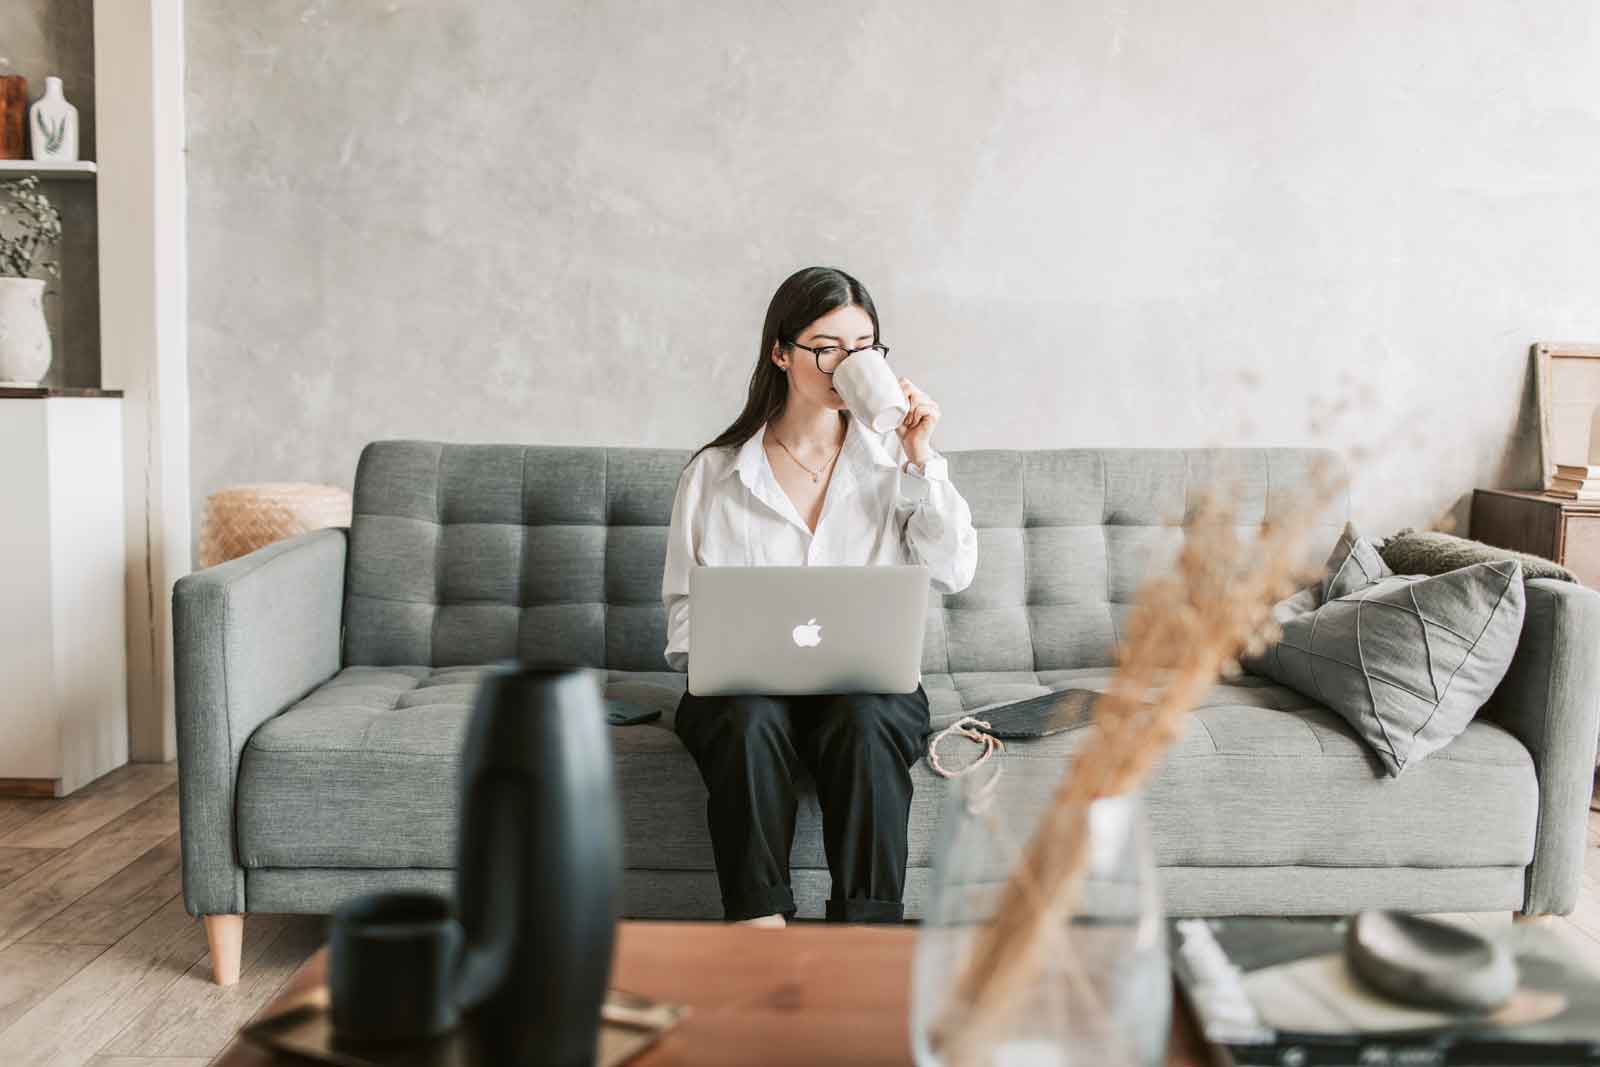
(1280, 993)
(1576, 483)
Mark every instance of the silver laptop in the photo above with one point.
(798, 630)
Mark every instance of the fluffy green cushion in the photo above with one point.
(1429, 552)
(1406, 660)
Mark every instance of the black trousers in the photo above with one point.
(859, 748)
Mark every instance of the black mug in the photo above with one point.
(392, 960)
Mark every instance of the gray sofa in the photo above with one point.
(323, 685)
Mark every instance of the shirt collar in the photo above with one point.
(748, 461)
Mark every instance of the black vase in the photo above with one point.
(539, 868)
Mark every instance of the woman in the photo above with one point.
(796, 481)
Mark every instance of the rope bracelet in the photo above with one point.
(963, 727)
(978, 798)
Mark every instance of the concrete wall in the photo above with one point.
(1096, 222)
(39, 38)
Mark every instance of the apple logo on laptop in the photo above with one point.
(808, 634)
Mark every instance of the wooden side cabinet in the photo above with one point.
(63, 659)
(1563, 530)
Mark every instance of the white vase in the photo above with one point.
(24, 337)
(53, 124)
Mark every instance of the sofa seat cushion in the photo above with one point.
(361, 773)
(1265, 776)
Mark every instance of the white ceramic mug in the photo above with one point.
(871, 391)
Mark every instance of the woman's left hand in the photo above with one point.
(916, 429)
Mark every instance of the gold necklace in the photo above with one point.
(815, 474)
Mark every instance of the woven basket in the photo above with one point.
(242, 518)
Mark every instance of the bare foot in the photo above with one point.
(770, 922)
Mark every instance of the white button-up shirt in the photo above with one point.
(730, 511)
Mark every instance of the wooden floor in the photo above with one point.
(100, 965)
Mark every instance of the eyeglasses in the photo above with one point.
(829, 358)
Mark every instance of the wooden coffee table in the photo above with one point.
(806, 995)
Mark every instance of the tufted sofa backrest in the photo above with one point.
(465, 554)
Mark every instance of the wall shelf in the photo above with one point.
(82, 171)
(55, 392)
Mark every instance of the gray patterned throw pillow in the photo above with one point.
(1406, 660)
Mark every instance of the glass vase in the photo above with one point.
(1103, 996)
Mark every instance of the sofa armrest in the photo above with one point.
(1550, 699)
(250, 637)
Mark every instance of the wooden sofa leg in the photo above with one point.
(225, 938)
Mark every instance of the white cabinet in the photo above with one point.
(63, 660)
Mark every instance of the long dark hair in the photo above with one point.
(803, 298)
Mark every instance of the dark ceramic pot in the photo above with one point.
(539, 872)
(526, 955)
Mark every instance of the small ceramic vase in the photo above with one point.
(53, 124)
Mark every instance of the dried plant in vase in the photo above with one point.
(29, 224)
(1187, 627)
